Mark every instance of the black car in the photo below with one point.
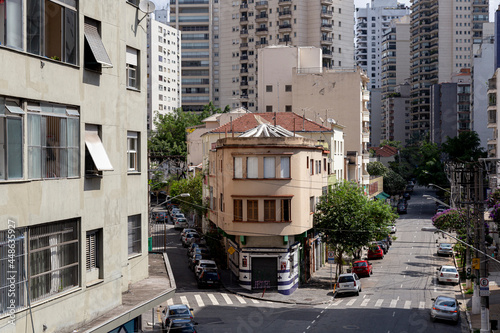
(407, 195)
(209, 278)
(383, 245)
(402, 208)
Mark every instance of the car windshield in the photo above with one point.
(374, 248)
(359, 264)
(445, 302)
(348, 278)
(181, 220)
(181, 312)
(445, 245)
(208, 265)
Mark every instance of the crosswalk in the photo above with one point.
(210, 299)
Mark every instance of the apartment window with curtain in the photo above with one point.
(132, 151)
(269, 210)
(11, 23)
(285, 167)
(52, 29)
(132, 60)
(238, 209)
(238, 167)
(53, 141)
(252, 210)
(54, 260)
(11, 140)
(286, 205)
(252, 167)
(269, 167)
(134, 235)
(13, 239)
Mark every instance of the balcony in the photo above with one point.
(326, 27)
(244, 83)
(366, 116)
(326, 13)
(284, 2)
(326, 2)
(261, 43)
(261, 31)
(243, 70)
(286, 40)
(285, 14)
(243, 33)
(285, 28)
(243, 20)
(243, 46)
(262, 17)
(243, 96)
(244, 58)
(243, 7)
(327, 40)
(261, 4)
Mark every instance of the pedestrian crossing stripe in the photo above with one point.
(407, 305)
(394, 302)
(379, 303)
(239, 298)
(365, 302)
(227, 299)
(199, 301)
(213, 299)
(351, 302)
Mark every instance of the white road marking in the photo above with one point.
(239, 298)
(397, 299)
(393, 314)
(379, 302)
(170, 301)
(312, 322)
(421, 305)
(351, 302)
(406, 268)
(337, 302)
(199, 300)
(318, 316)
(365, 302)
(407, 305)
(254, 300)
(213, 299)
(401, 285)
(393, 303)
(227, 299)
(184, 300)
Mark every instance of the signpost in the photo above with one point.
(331, 261)
(484, 287)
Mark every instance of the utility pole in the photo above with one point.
(485, 299)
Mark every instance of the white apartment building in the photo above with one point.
(73, 171)
(164, 70)
(372, 23)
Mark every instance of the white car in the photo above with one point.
(181, 223)
(188, 236)
(393, 229)
(204, 264)
(185, 231)
(448, 274)
(348, 283)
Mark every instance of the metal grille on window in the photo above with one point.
(91, 245)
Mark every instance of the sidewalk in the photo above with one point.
(316, 291)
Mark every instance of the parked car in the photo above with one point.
(209, 278)
(194, 248)
(204, 264)
(195, 260)
(383, 245)
(445, 308)
(409, 188)
(176, 311)
(448, 274)
(362, 268)
(159, 217)
(185, 231)
(181, 326)
(375, 252)
(445, 249)
(181, 223)
(402, 208)
(174, 211)
(407, 195)
(441, 208)
(348, 283)
(189, 235)
(393, 229)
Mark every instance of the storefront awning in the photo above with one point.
(382, 196)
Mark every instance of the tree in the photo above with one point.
(465, 147)
(349, 220)
(193, 186)
(376, 169)
(393, 183)
(431, 168)
(395, 144)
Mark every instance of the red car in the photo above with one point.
(362, 267)
(375, 252)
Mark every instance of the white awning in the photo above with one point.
(96, 149)
(94, 39)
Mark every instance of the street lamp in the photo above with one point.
(436, 200)
(430, 184)
(183, 195)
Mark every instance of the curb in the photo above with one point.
(467, 314)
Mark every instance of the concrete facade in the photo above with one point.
(73, 163)
(164, 70)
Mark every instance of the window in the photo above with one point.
(11, 23)
(312, 206)
(11, 140)
(238, 167)
(285, 167)
(221, 202)
(12, 239)
(132, 60)
(252, 210)
(92, 255)
(288, 88)
(269, 108)
(53, 141)
(96, 158)
(95, 55)
(286, 209)
(269, 167)
(312, 167)
(238, 210)
(269, 210)
(252, 167)
(134, 235)
(54, 264)
(132, 149)
(288, 108)
(269, 88)
(52, 29)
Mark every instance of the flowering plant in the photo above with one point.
(495, 212)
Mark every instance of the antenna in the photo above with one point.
(147, 6)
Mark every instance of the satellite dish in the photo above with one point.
(147, 6)
(331, 121)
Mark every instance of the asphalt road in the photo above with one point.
(396, 298)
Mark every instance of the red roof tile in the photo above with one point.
(385, 151)
(284, 119)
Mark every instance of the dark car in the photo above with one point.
(402, 208)
(181, 326)
(383, 245)
(407, 195)
(160, 217)
(209, 278)
(362, 268)
(375, 252)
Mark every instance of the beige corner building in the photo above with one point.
(73, 173)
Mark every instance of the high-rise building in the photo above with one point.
(249, 25)
(372, 23)
(196, 19)
(164, 70)
(442, 37)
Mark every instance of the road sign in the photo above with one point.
(476, 263)
(484, 288)
(483, 282)
(231, 250)
(331, 257)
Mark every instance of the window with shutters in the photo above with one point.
(252, 210)
(132, 151)
(238, 167)
(286, 210)
(95, 56)
(132, 61)
(238, 210)
(91, 245)
(269, 210)
(252, 167)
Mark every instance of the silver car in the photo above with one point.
(445, 249)
(448, 274)
(348, 283)
(445, 308)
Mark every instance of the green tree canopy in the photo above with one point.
(393, 183)
(465, 147)
(376, 169)
(193, 186)
(349, 220)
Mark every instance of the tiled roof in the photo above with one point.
(283, 119)
(385, 151)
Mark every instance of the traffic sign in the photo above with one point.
(231, 250)
(331, 257)
(476, 263)
(483, 282)
(484, 288)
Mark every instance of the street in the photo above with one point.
(396, 298)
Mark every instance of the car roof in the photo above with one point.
(440, 244)
(207, 262)
(347, 274)
(178, 306)
(446, 297)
